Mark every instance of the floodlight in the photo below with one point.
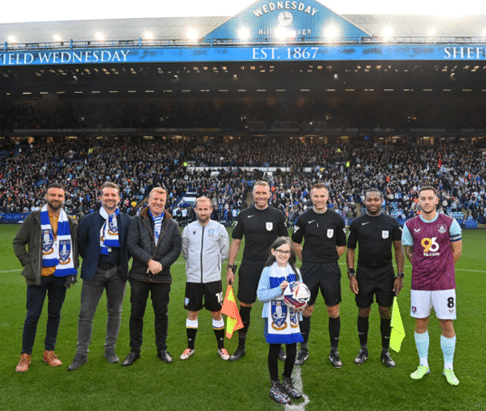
(331, 32)
(192, 35)
(244, 34)
(387, 33)
(99, 36)
(281, 33)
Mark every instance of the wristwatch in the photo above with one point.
(401, 275)
(351, 273)
(233, 267)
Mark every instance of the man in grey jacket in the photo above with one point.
(154, 242)
(205, 245)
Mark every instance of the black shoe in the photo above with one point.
(288, 386)
(165, 356)
(281, 355)
(131, 358)
(362, 357)
(110, 356)
(387, 360)
(240, 352)
(79, 360)
(335, 360)
(301, 357)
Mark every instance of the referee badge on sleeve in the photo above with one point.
(385, 234)
(330, 233)
(269, 226)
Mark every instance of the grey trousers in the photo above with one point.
(91, 293)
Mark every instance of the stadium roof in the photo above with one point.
(416, 26)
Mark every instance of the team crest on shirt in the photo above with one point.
(385, 234)
(330, 232)
(442, 228)
(211, 233)
(414, 310)
(279, 315)
(47, 242)
(269, 226)
(64, 251)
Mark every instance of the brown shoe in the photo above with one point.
(51, 359)
(24, 363)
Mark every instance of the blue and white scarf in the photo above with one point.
(109, 232)
(157, 225)
(282, 322)
(57, 252)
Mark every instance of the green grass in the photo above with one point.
(205, 382)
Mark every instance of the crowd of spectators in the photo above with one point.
(303, 114)
(194, 166)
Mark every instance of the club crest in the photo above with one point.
(442, 228)
(279, 315)
(294, 319)
(385, 234)
(269, 226)
(330, 232)
(414, 310)
(64, 251)
(47, 242)
(211, 233)
(112, 227)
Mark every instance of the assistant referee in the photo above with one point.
(376, 233)
(261, 225)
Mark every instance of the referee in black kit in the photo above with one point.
(376, 233)
(261, 225)
(325, 241)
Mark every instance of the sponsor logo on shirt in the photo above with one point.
(431, 247)
(367, 222)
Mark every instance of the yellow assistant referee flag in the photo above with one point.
(397, 332)
(229, 308)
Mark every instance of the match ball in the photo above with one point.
(296, 296)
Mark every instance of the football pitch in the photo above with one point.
(205, 382)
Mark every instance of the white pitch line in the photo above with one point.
(298, 385)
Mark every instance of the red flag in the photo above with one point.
(233, 322)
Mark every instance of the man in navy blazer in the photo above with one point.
(102, 238)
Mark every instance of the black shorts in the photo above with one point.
(323, 276)
(248, 277)
(375, 281)
(212, 293)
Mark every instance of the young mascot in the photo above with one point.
(281, 322)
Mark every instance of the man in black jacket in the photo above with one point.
(102, 238)
(154, 241)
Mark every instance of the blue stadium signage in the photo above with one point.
(305, 18)
(306, 52)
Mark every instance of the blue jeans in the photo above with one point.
(160, 302)
(36, 294)
(91, 293)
